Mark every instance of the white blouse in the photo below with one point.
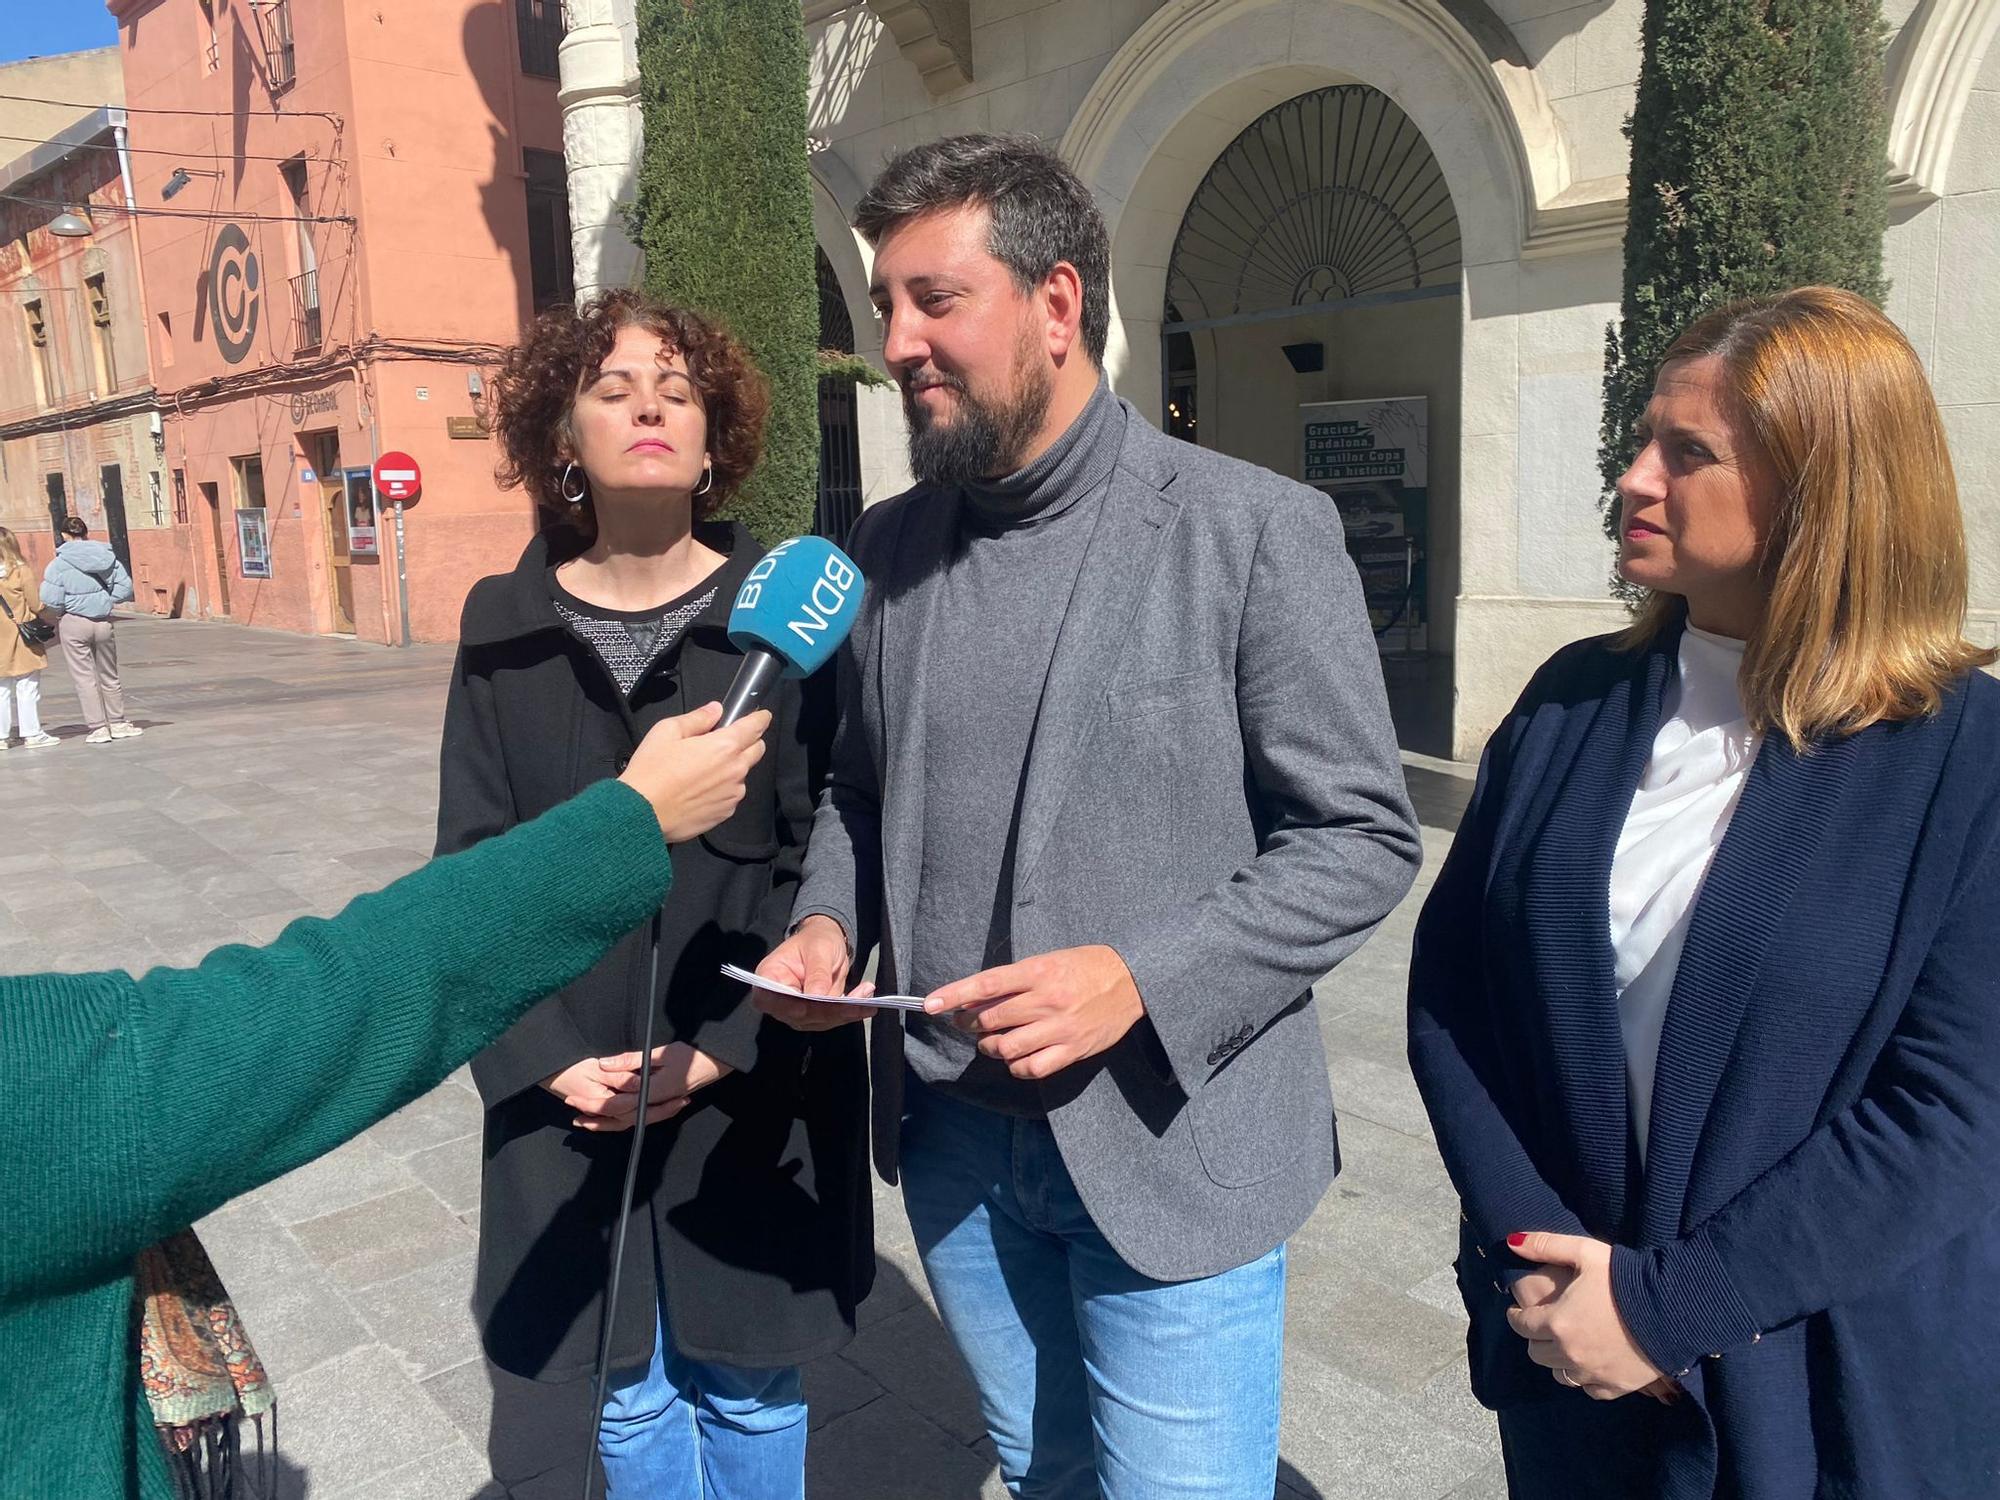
(1679, 814)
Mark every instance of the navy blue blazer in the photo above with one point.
(1813, 1246)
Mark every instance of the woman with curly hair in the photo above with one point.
(630, 422)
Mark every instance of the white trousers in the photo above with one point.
(27, 691)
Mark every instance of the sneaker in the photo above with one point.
(124, 731)
(98, 737)
(39, 742)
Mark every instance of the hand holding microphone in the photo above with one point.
(693, 772)
(794, 609)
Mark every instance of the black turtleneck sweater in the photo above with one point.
(1005, 589)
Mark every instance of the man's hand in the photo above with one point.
(813, 959)
(1574, 1329)
(604, 1091)
(1043, 1014)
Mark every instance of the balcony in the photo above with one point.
(305, 312)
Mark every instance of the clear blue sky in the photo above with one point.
(36, 28)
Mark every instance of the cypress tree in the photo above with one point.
(724, 214)
(1759, 162)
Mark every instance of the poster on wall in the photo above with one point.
(363, 535)
(1372, 458)
(253, 543)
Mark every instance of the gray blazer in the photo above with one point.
(1213, 790)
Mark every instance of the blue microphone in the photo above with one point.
(793, 611)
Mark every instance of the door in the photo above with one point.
(112, 479)
(323, 452)
(213, 496)
(58, 506)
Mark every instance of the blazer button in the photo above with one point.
(1480, 1250)
(1499, 1288)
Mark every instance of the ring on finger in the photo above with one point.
(1568, 1378)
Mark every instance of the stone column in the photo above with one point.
(598, 66)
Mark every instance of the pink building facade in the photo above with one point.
(78, 422)
(344, 212)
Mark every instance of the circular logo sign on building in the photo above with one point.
(397, 477)
(235, 292)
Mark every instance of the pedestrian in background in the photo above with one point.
(84, 582)
(22, 654)
(1703, 1004)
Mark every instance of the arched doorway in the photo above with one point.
(1311, 325)
(839, 499)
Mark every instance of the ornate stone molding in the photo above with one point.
(935, 35)
(1476, 48)
(1932, 66)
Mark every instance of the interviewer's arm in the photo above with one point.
(132, 1108)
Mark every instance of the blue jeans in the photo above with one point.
(679, 1429)
(1094, 1380)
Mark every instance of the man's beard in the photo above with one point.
(982, 440)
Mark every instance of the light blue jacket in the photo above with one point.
(86, 579)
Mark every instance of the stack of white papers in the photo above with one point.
(758, 981)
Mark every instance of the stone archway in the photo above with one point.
(1199, 72)
(878, 412)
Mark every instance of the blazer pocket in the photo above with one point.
(1166, 695)
(1240, 1140)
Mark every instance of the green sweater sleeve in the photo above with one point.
(132, 1108)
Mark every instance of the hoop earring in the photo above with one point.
(562, 485)
(707, 481)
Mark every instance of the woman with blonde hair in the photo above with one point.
(1705, 1003)
(23, 649)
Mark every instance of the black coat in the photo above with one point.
(757, 1193)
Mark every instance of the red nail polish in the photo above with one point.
(1516, 1241)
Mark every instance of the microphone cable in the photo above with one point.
(603, 1370)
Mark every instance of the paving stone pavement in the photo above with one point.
(282, 775)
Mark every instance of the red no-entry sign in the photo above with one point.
(397, 477)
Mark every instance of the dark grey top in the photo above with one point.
(629, 641)
(1002, 595)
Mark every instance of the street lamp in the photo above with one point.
(70, 225)
(181, 177)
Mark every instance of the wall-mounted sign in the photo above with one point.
(253, 542)
(1373, 459)
(464, 427)
(235, 293)
(312, 403)
(363, 538)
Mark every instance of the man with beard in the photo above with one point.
(1114, 784)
